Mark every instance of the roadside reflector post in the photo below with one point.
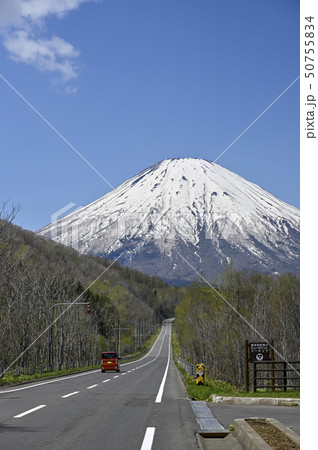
(200, 372)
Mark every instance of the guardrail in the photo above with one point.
(189, 368)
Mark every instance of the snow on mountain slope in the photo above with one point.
(193, 207)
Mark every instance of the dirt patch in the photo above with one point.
(272, 435)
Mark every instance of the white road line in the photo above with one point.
(28, 412)
(105, 381)
(162, 386)
(148, 439)
(68, 395)
(51, 381)
(92, 386)
(116, 376)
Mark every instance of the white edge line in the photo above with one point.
(68, 395)
(162, 386)
(148, 439)
(28, 412)
(5, 391)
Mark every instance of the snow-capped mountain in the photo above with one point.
(185, 215)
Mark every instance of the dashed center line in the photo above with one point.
(28, 412)
(148, 439)
(68, 395)
(149, 436)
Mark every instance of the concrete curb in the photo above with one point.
(256, 401)
(248, 437)
(290, 433)
(251, 440)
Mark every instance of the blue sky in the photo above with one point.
(129, 83)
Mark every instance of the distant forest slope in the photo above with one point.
(212, 324)
(36, 274)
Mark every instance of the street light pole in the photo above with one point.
(119, 330)
(119, 340)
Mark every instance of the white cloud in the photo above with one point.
(53, 55)
(13, 11)
(37, 9)
(22, 25)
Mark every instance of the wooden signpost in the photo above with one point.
(257, 351)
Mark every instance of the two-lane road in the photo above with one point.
(143, 406)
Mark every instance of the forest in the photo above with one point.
(43, 283)
(213, 322)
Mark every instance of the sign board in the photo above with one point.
(259, 351)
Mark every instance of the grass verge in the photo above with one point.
(18, 379)
(218, 387)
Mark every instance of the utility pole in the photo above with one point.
(135, 336)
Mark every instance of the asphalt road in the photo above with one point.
(142, 407)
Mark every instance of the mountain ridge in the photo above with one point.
(191, 206)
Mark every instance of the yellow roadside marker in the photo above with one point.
(200, 374)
